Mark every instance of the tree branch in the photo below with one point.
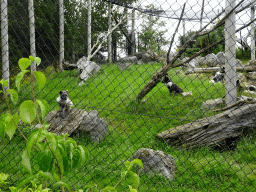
(157, 77)
(181, 15)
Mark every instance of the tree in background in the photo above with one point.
(203, 41)
(152, 33)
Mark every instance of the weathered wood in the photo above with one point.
(247, 68)
(212, 131)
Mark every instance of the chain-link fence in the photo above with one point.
(169, 82)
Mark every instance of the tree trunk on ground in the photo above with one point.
(223, 128)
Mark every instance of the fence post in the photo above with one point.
(109, 36)
(89, 28)
(133, 32)
(61, 23)
(230, 54)
(32, 33)
(4, 42)
(252, 34)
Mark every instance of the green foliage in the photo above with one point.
(152, 36)
(203, 41)
(54, 155)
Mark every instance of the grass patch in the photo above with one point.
(133, 125)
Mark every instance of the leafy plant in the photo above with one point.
(54, 155)
(126, 171)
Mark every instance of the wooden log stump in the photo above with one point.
(213, 131)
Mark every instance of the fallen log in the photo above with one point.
(247, 68)
(223, 128)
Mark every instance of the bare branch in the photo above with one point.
(181, 15)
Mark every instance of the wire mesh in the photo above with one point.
(192, 98)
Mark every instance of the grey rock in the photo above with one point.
(193, 63)
(124, 66)
(78, 121)
(129, 59)
(213, 103)
(239, 63)
(156, 162)
(241, 77)
(96, 127)
(146, 57)
(221, 58)
(140, 62)
(211, 60)
(251, 75)
(87, 68)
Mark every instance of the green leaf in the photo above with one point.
(14, 96)
(5, 83)
(137, 162)
(51, 139)
(40, 78)
(61, 183)
(45, 160)
(76, 158)
(45, 175)
(59, 159)
(4, 120)
(131, 189)
(127, 164)
(24, 63)
(12, 125)
(26, 161)
(66, 164)
(84, 154)
(25, 181)
(37, 60)
(27, 111)
(31, 58)
(31, 141)
(19, 78)
(123, 173)
(109, 188)
(135, 179)
(43, 108)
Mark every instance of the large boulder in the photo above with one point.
(156, 162)
(129, 59)
(87, 68)
(78, 122)
(211, 60)
(146, 57)
(96, 127)
(213, 103)
(221, 58)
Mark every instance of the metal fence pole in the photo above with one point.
(252, 34)
(32, 32)
(61, 23)
(89, 29)
(230, 54)
(4, 41)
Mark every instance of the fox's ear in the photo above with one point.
(60, 92)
